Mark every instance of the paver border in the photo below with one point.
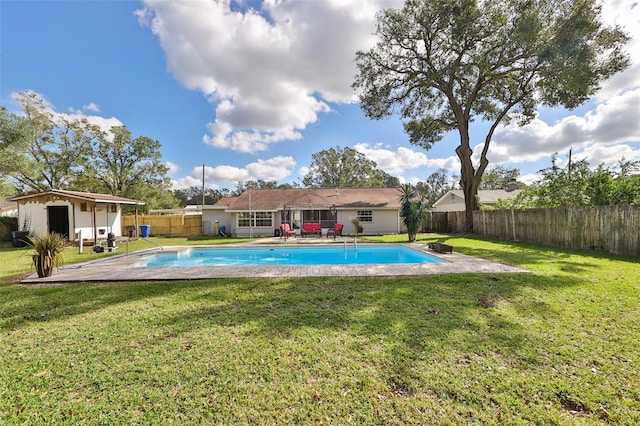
(121, 268)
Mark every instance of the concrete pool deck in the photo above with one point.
(122, 268)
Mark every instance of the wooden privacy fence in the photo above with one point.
(614, 229)
(166, 225)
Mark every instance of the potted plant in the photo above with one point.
(358, 225)
(48, 250)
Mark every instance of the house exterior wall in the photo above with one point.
(32, 217)
(385, 221)
(36, 215)
(451, 203)
(210, 216)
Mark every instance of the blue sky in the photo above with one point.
(252, 89)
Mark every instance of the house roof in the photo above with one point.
(86, 196)
(8, 205)
(486, 196)
(343, 198)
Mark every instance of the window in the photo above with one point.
(246, 219)
(263, 218)
(84, 207)
(243, 220)
(365, 215)
(113, 208)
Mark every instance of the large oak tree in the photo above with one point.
(345, 168)
(40, 150)
(440, 64)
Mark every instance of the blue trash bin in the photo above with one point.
(145, 230)
(222, 231)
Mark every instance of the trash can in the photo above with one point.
(130, 230)
(111, 240)
(223, 231)
(276, 232)
(20, 238)
(145, 230)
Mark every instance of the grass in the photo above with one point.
(555, 346)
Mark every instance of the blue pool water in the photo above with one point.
(260, 256)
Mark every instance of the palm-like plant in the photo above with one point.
(357, 224)
(413, 207)
(48, 250)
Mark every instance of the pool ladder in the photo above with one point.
(355, 243)
(147, 240)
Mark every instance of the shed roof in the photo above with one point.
(85, 196)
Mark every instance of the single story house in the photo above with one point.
(453, 200)
(77, 215)
(8, 208)
(260, 212)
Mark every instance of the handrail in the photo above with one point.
(153, 242)
(146, 239)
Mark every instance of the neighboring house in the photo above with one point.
(453, 201)
(259, 212)
(8, 208)
(187, 210)
(73, 214)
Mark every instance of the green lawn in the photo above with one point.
(556, 346)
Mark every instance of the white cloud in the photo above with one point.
(272, 169)
(223, 174)
(303, 171)
(529, 178)
(91, 107)
(276, 168)
(609, 156)
(391, 161)
(271, 71)
(611, 122)
(173, 168)
(412, 180)
(188, 182)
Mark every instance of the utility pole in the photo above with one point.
(202, 211)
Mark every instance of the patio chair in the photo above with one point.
(335, 231)
(286, 231)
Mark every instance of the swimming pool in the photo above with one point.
(275, 256)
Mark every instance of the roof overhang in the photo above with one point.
(82, 196)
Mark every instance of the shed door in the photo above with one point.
(58, 219)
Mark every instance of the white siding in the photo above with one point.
(384, 222)
(210, 216)
(79, 221)
(450, 202)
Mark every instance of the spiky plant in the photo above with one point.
(358, 225)
(48, 250)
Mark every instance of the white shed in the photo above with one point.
(71, 213)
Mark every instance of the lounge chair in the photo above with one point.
(286, 231)
(311, 228)
(336, 231)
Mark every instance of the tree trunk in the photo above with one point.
(469, 186)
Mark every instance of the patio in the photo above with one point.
(121, 268)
